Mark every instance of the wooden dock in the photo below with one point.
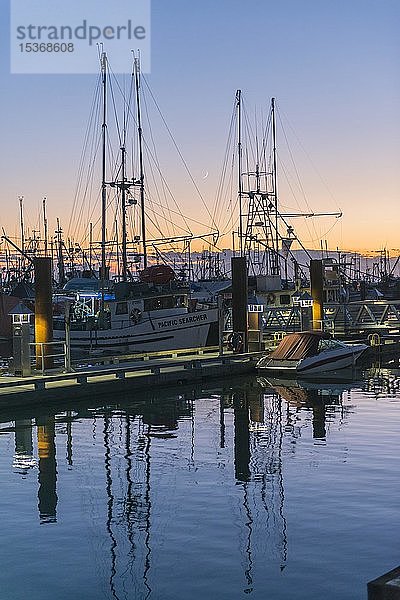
(106, 376)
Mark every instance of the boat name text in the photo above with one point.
(182, 321)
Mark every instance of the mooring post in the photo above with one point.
(43, 312)
(239, 299)
(317, 293)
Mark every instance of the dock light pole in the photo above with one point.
(21, 316)
(255, 311)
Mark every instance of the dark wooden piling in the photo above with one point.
(239, 299)
(43, 313)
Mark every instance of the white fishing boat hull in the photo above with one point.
(173, 332)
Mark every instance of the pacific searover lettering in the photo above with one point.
(193, 318)
(92, 33)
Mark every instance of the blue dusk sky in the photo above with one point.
(332, 65)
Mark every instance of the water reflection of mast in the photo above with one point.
(259, 433)
(110, 504)
(148, 511)
(70, 418)
(281, 488)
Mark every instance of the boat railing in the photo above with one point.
(44, 352)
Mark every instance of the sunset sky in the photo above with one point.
(333, 67)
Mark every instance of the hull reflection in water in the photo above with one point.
(193, 494)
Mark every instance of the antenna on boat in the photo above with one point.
(141, 174)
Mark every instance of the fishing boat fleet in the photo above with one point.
(154, 303)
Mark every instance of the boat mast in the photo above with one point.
(275, 186)
(61, 270)
(103, 175)
(90, 247)
(239, 121)
(123, 208)
(21, 216)
(141, 178)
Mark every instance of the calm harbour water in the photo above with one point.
(237, 490)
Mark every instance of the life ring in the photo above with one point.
(271, 298)
(135, 316)
(235, 342)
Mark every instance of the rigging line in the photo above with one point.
(157, 162)
(250, 136)
(155, 155)
(306, 221)
(151, 204)
(146, 145)
(180, 154)
(160, 231)
(127, 103)
(89, 125)
(92, 152)
(188, 218)
(294, 165)
(228, 149)
(267, 138)
(256, 135)
(310, 159)
(87, 192)
(323, 234)
(111, 88)
(93, 164)
(234, 208)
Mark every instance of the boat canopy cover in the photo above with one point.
(296, 346)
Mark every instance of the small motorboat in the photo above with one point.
(309, 352)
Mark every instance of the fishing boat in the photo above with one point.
(310, 352)
(154, 314)
(148, 311)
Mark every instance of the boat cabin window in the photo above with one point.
(284, 299)
(163, 302)
(122, 308)
(180, 301)
(159, 303)
(329, 345)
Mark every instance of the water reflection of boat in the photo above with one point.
(310, 352)
(323, 397)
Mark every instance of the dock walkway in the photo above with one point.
(123, 373)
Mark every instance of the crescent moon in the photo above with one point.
(205, 175)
